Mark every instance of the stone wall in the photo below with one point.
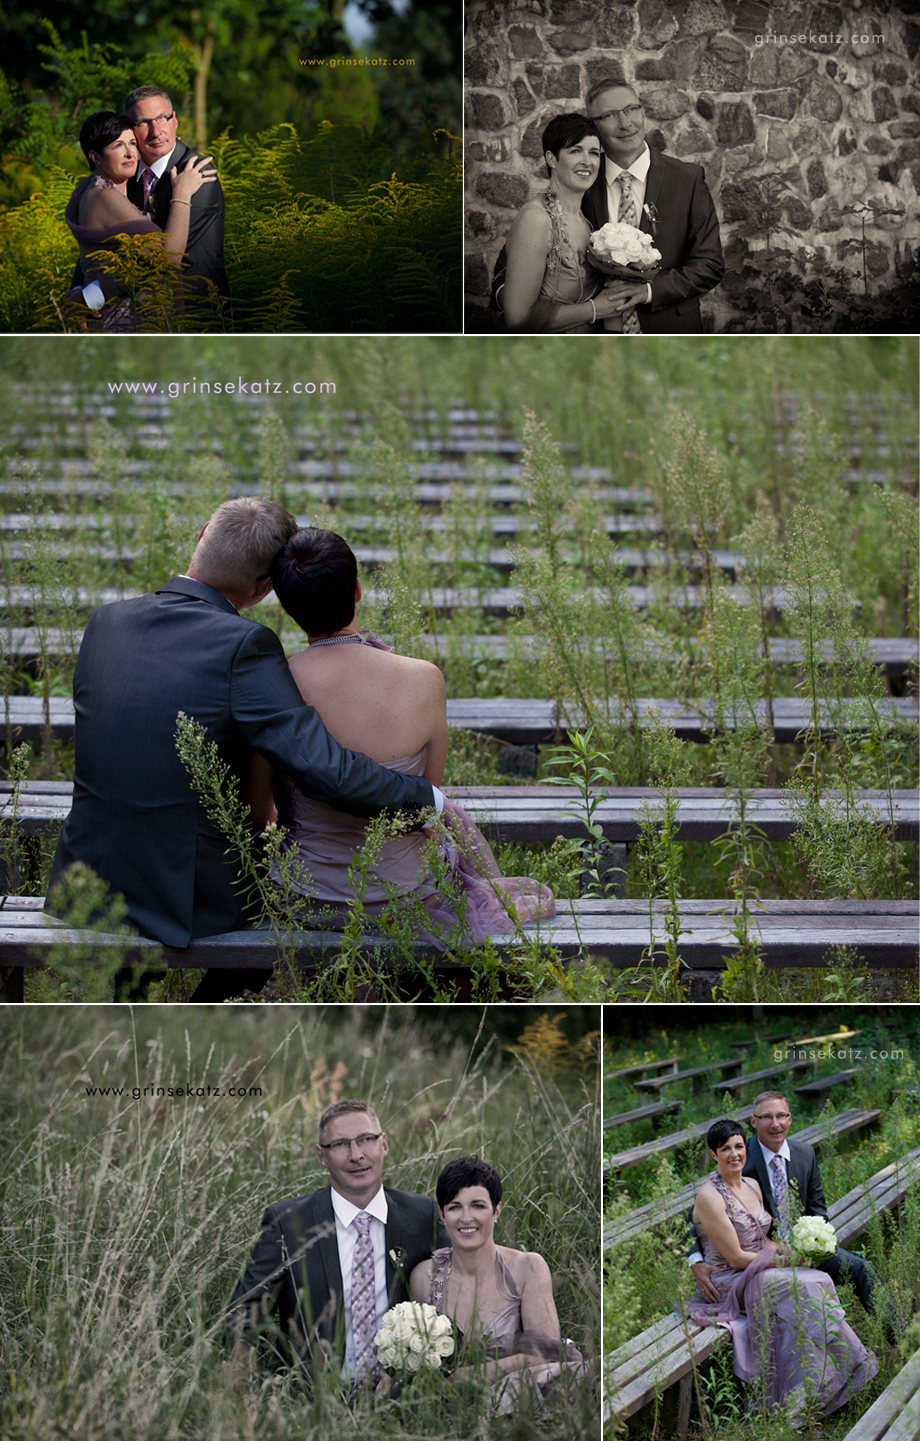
(795, 110)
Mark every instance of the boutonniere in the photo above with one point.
(398, 1258)
(652, 214)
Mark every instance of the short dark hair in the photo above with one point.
(102, 129)
(468, 1171)
(315, 574)
(345, 1108)
(565, 130)
(145, 92)
(614, 83)
(720, 1131)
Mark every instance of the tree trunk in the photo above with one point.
(205, 56)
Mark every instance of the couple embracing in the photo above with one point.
(328, 1266)
(145, 182)
(601, 171)
(346, 731)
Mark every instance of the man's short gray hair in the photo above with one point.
(241, 540)
(600, 86)
(346, 1108)
(143, 92)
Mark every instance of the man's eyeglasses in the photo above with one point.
(629, 112)
(152, 120)
(340, 1147)
(780, 1116)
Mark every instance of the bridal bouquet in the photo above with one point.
(622, 250)
(414, 1337)
(813, 1238)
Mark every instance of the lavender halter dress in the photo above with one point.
(788, 1329)
(502, 1334)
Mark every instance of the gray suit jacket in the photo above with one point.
(802, 1171)
(294, 1275)
(135, 818)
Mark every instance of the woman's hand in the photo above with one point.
(190, 180)
(609, 301)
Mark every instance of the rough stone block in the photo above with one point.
(488, 112)
(908, 153)
(573, 40)
(508, 192)
(607, 67)
(478, 280)
(777, 145)
(870, 36)
(808, 141)
(825, 23)
(693, 141)
(764, 66)
(877, 145)
(573, 12)
(735, 125)
(724, 66)
(878, 256)
(750, 15)
(831, 219)
(824, 102)
(524, 101)
(884, 106)
(739, 199)
(531, 139)
(665, 104)
(797, 213)
(832, 69)
(910, 30)
(657, 24)
(706, 107)
(481, 225)
(679, 61)
(904, 129)
(703, 17)
(656, 140)
(846, 142)
(524, 42)
(889, 73)
(794, 63)
(780, 104)
(563, 82)
(884, 173)
(817, 180)
(616, 28)
(484, 65)
(492, 152)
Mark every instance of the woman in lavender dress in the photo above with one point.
(787, 1325)
(500, 1301)
(392, 708)
(99, 212)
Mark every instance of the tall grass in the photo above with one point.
(129, 1221)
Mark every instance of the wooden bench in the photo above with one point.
(852, 1120)
(895, 1415)
(820, 1089)
(667, 1352)
(724, 1068)
(793, 933)
(531, 814)
(642, 1113)
(642, 1068)
(736, 1084)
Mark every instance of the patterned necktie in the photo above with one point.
(363, 1299)
(150, 181)
(781, 1196)
(629, 214)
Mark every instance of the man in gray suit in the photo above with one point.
(768, 1149)
(303, 1278)
(135, 819)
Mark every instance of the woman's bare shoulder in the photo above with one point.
(532, 221)
(102, 205)
(525, 1265)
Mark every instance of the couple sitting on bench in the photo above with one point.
(347, 731)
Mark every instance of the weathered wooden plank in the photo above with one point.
(641, 1113)
(895, 1415)
(644, 1066)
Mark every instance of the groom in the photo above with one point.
(135, 819)
(785, 1168)
(156, 130)
(328, 1266)
(666, 198)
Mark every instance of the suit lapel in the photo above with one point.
(396, 1248)
(757, 1167)
(653, 183)
(327, 1246)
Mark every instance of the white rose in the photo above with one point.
(414, 1361)
(444, 1345)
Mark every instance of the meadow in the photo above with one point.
(594, 525)
(645, 1277)
(128, 1222)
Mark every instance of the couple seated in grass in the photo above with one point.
(346, 731)
(348, 1253)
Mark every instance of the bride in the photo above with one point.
(392, 708)
(99, 211)
(500, 1300)
(786, 1322)
(549, 288)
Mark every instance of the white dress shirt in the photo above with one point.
(639, 171)
(346, 1235)
(93, 293)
